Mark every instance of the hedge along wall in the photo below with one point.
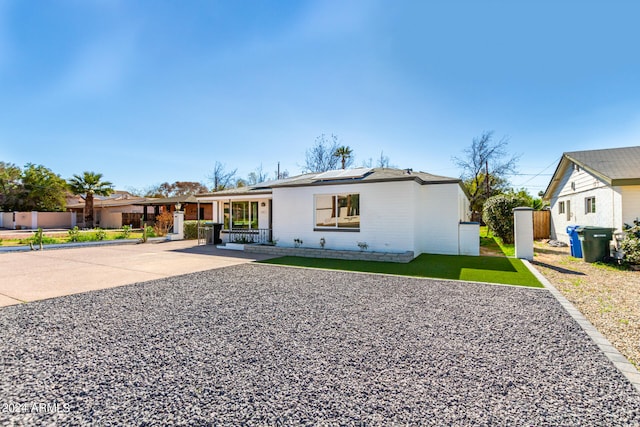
(191, 229)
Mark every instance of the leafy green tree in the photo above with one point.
(11, 189)
(89, 184)
(345, 155)
(535, 203)
(477, 189)
(497, 213)
(178, 188)
(43, 190)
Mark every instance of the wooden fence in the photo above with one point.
(542, 224)
(134, 219)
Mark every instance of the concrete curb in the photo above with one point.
(618, 360)
(26, 248)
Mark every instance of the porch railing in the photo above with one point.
(256, 235)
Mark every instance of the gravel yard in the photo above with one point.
(607, 297)
(265, 345)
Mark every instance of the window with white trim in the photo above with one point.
(561, 208)
(590, 205)
(240, 215)
(337, 211)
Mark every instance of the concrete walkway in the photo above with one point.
(37, 275)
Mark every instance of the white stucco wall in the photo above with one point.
(386, 217)
(438, 213)
(576, 186)
(630, 203)
(394, 217)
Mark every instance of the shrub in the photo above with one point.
(100, 234)
(631, 244)
(38, 238)
(498, 214)
(147, 231)
(164, 221)
(126, 232)
(191, 229)
(74, 234)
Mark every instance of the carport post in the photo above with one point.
(34, 220)
(523, 232)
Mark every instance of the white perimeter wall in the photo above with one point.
(42, 220)
(394, 217)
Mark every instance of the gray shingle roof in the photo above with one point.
(615, 166)
(370, 176)
(373, 175)
(612, 163)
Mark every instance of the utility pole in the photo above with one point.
(486, 176)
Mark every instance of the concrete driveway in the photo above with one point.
(37, 275)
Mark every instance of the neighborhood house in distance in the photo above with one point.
(595, 188)
(380, 209)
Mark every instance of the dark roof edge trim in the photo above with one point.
(239, 193)
(625, 181)
(372, 181)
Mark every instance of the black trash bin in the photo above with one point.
(213, 233)
(595, 242)
(217, 227)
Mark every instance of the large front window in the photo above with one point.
(339, 211)
(241, 215)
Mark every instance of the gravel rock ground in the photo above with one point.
(266, 345)
(607, 297)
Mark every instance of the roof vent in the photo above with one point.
(408, 171)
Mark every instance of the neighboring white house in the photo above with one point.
(595, 187)
(389, 210)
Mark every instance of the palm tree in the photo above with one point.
(344, 153)
(90, 184)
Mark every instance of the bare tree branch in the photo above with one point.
(320, 157)
(257, 176)
(221, 178)
(484, 167)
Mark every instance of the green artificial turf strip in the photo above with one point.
(510, 271)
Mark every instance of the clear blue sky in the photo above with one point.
(152, 91)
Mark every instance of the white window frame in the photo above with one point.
(590, 205)
(337, 226)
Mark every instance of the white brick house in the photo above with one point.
(391, 210)
(595, 187)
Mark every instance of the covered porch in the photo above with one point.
(242, 218)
